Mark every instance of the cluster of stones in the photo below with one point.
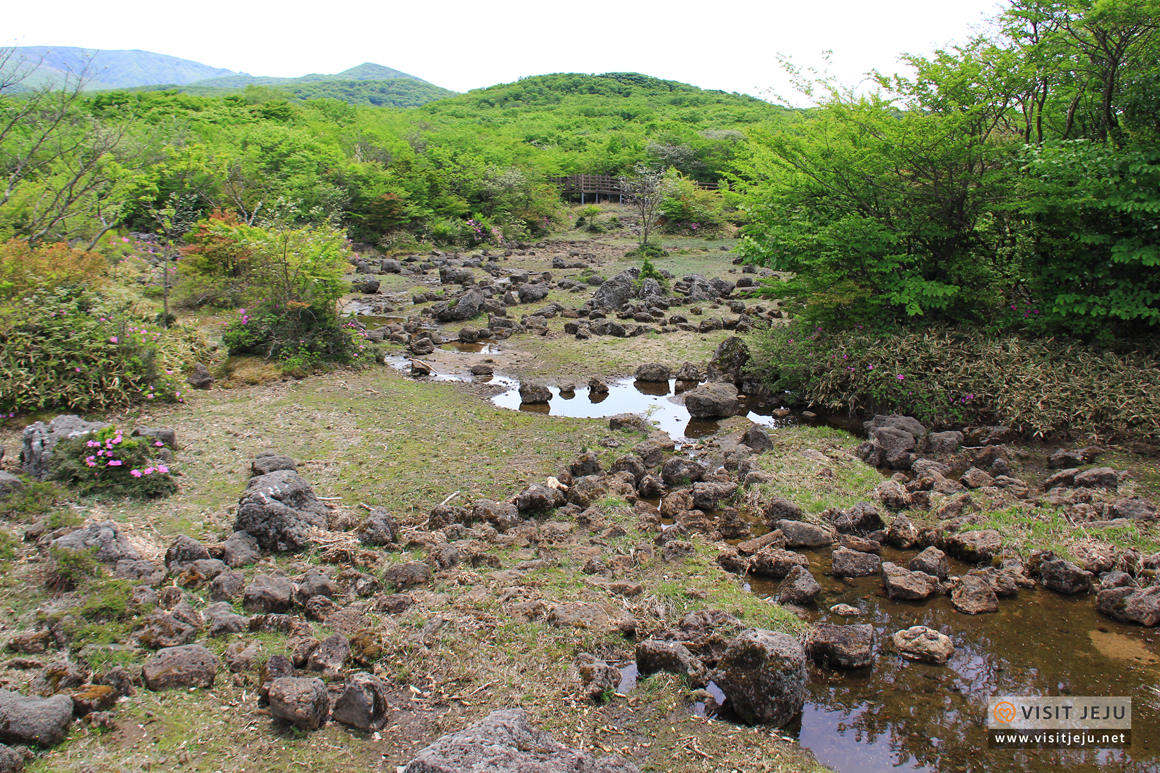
(314, 683)
(623, 306)
(318, 681)
(1122, 579)
(761, 672)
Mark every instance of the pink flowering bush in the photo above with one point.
(77, 351)
(109, 462)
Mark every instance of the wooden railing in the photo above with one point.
(599, 184)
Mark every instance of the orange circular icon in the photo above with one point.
(1004, 712)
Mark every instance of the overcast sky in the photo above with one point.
(467, 45)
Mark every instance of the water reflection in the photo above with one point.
(903, 715)
(655, 400)
(654, 388)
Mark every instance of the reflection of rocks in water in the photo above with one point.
(701, 427)
(475, 347)
(657, 388)
(913, 716)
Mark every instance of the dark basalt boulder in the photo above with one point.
(763, 674)
(279, 509)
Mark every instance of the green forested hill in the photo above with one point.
(326, 152)
(366, 84)
(367, 71)
(395, 92)
(575, 123)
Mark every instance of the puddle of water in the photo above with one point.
(710, 708)
(622, 397)
(628, 676)
(901, 715)
(655, 401)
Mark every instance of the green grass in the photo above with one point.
(801, 480)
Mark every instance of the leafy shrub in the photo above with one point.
(80, 351)
(447, 231)
(955, 376)
(649, 250)
(402, 243)
(216, 263)
(691, 210)
(649, 271)
(874, 210)
(108, 462)
(302, 337)
(25, 269)
(1095, 265)
(589, 220)
(290, 279)
(244, 264)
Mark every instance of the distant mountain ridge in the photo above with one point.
(367, 71)
(113, 69)
(364, 84)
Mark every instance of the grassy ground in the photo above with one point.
(378, 438)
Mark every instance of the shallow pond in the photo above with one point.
(657, 401)
(899, 715)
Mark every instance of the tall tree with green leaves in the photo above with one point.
(63, 172)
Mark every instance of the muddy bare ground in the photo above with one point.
(466, 645)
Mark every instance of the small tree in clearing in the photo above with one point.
(646, 189)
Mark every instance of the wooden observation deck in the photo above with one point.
(597, 185)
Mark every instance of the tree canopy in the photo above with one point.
(1014, 173)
